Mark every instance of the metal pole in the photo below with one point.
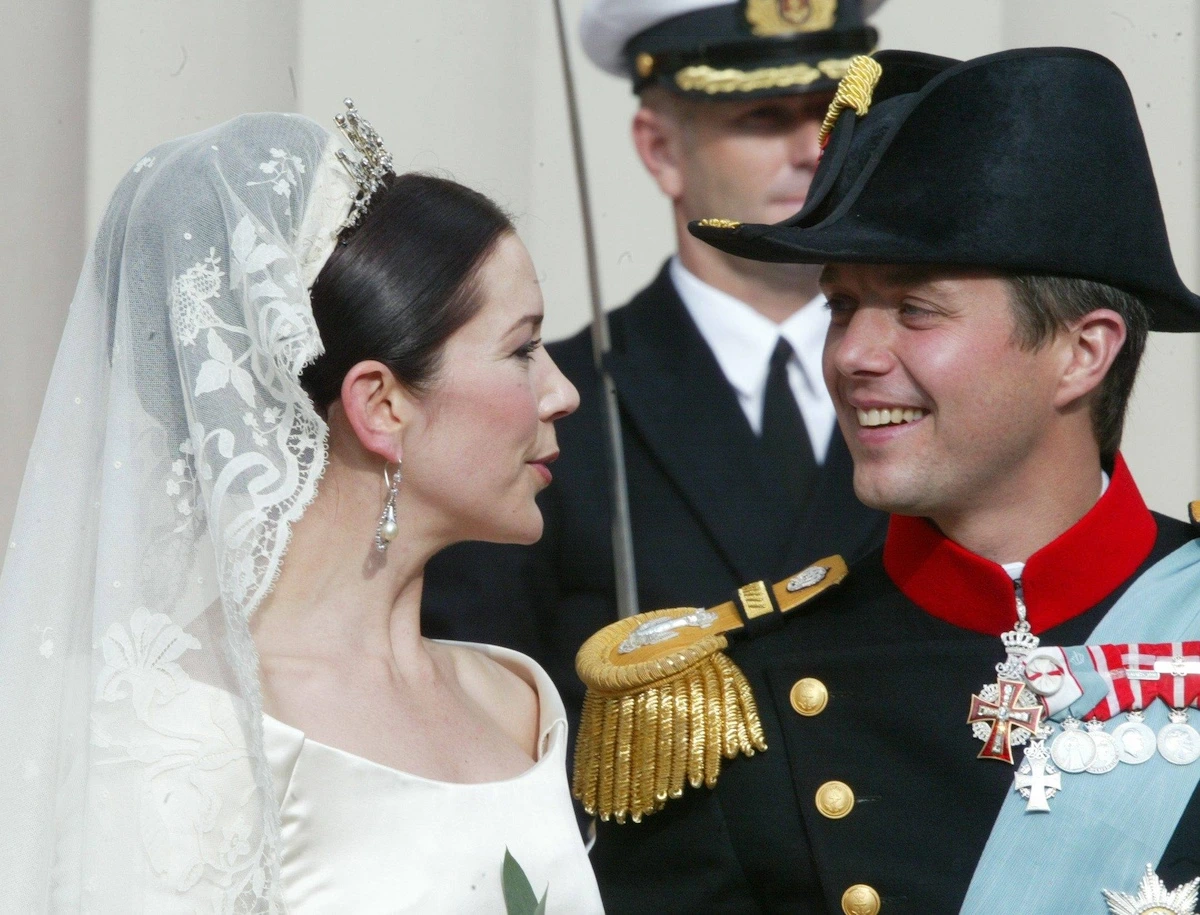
(622, 529)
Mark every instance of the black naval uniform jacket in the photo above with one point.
(900, 681)
(705, 517)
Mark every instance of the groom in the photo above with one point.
(995, 255)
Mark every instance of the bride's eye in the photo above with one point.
(527, 350)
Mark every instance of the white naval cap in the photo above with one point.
(728, 48)
(607, 25)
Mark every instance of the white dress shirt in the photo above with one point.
(743, 340)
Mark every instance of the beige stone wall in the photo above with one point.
(474, 90)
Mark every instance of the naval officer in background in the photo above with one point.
(736, 467)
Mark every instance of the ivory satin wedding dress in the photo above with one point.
(365, 838)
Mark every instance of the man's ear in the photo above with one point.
(1092, 345)
(657, 138)
(378, 407)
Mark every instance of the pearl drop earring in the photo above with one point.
(387, 530)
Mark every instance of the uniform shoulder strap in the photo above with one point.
(665, 704)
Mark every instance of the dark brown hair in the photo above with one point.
(1045, 305)
(402, 282)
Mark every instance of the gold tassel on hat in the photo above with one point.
(665, 705)
(854, 91)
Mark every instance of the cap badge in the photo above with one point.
(786, 17)
(854, 91)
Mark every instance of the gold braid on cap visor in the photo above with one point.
(703, 78)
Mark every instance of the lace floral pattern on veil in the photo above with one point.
(250, 366)
(191, 751)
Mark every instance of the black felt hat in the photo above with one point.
(743, 49)
(1029, 161)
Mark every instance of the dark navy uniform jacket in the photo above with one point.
(899, 681)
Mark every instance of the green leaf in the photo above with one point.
(519, 898)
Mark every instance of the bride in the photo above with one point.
(288, 378)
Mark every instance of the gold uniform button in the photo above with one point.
(835, 800)
(861, 899)
(809, 696)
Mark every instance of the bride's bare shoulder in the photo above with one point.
(507, 697)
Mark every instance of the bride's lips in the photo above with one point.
(540, 465)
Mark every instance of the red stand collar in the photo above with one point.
(1061, 580)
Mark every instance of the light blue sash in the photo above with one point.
(1102, 830)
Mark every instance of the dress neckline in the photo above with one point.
(552, 725)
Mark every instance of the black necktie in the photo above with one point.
(785, 443)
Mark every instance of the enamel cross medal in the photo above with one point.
(1008, 713)
(1005, 715)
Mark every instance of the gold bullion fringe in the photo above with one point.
(636, 750)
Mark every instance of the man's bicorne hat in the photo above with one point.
(1026, 162)
(716, 49)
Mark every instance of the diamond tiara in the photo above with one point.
(373, 164)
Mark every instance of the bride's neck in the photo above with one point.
(337, 596)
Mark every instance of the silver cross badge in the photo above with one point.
(1037, 779)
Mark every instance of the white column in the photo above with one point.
(164, 68)
(449, 86)
(43, 71)
(633, 223)
(474, 92)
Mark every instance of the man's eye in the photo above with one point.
(840, 309)
(909, 310)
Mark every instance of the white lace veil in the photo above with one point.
(175, 448)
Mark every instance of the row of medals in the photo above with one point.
(1075, 749)
(1080, 747)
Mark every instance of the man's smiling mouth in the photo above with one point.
(889, 416)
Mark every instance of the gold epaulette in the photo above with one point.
(665, 704)
(1194, 512)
